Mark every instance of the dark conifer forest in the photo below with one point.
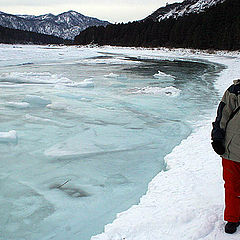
(13, 36)
(216, 28)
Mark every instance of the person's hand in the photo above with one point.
(218, 147)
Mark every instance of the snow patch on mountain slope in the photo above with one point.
(184, 8)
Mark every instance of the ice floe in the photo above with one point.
(37, 100)
(111, 75)
(20, 105)
(8, 137)
(163, 75)
(57, 106)
(87, 83)
(14, 79)
(33, 78)
(168, 91)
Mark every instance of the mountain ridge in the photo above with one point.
(65, 25)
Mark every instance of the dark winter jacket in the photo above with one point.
(226, 128)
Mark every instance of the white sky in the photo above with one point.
(110, 10)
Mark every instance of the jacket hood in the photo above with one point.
(237, 81)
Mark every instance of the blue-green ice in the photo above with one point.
(84, 130)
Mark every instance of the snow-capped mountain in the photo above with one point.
(176, 10)
(65, 25)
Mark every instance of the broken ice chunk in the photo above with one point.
(20, 105)
(163, 75)
(111, 75)
(37, 100)
(8, 137)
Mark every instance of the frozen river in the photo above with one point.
(84, 130)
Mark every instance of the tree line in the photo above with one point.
(14, 36)
(216, 28)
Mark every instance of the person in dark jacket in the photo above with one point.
(226, 142)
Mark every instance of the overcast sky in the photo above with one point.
(111, 10)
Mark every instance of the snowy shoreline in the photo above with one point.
(185, 202)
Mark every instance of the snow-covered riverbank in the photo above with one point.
(185, 202)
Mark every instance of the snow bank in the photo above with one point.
(187, 201)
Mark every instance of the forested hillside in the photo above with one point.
(13, 36)
(216, 28)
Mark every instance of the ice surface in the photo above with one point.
(22, 208)
(40, 120)
(187, 201)
(87, 147)
(93, 141)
